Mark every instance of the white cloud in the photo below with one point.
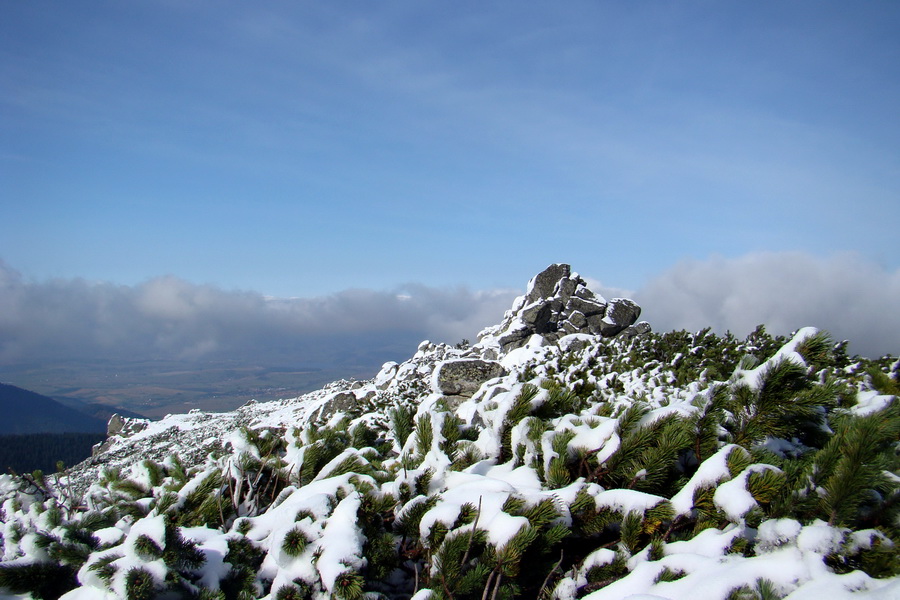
(847, 295)
(167, 317)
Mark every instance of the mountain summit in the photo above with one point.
(570, 453)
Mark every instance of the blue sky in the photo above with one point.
(300, 149)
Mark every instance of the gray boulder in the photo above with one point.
(620, 313)
(543, 285)
(463, 377)
(342, 401)
(636, 329)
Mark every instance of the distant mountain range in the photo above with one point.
(27, 412)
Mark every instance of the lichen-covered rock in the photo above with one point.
(463, 377)
(340, 402)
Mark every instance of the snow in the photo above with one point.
(627, 501)
(341, 543)
(152, 527)
(788, 553)
(775, 533)
(870, 401)
(788, 352)
(711, 471)
(214, 547)
(529, 352)
(733, 498)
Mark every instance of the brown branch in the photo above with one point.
(549, 575)
(472, 534)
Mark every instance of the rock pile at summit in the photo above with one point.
(558, 303)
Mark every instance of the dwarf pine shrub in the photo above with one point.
(637, 418)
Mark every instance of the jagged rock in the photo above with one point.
(558, 303)
(636, 329)
(587, 307)
(118, 427)
(620, 313)
(544, 284)
(578, 320)
(463, 377)
(124, 426)
(386, 375)
(515, 339)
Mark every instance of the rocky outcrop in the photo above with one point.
(558, 303)
(463, 377)
(119, 427)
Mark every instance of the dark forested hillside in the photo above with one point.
(25, 453)
(23, 411)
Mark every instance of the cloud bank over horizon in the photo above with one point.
(851, 297)
(170, 318)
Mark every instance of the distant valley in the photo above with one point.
(157, 388)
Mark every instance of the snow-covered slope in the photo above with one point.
(569, 453)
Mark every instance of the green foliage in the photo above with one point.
(451, 428)
(349, 586)
(763, 590)
(407, 524)
(668, 574)
(854, 466)
(295, 542)
(817, 350)
(665, 403)
(520, 409)
(139, 584)
(882, 382)
(44, 581)
(424, 435)
(599, 576)
(204, 504)
(560, 400)
(401, 423)
(245, 559)
(147, 549)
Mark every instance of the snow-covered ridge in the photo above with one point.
(554, 458)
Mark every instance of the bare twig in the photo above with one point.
(487, 585)
(472, 534)
(549, 575)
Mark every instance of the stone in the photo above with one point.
(585, 293)
(463, 377)
(123, 426)
(384, 377)
(636, 329)
(544, 283)
(514, 339)
(568, 327)
(586, 307)
(576, 342)
(595, 323)
(558, 303)
(620, 313)
(566, 287)
(578, 320)
(340, 402)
